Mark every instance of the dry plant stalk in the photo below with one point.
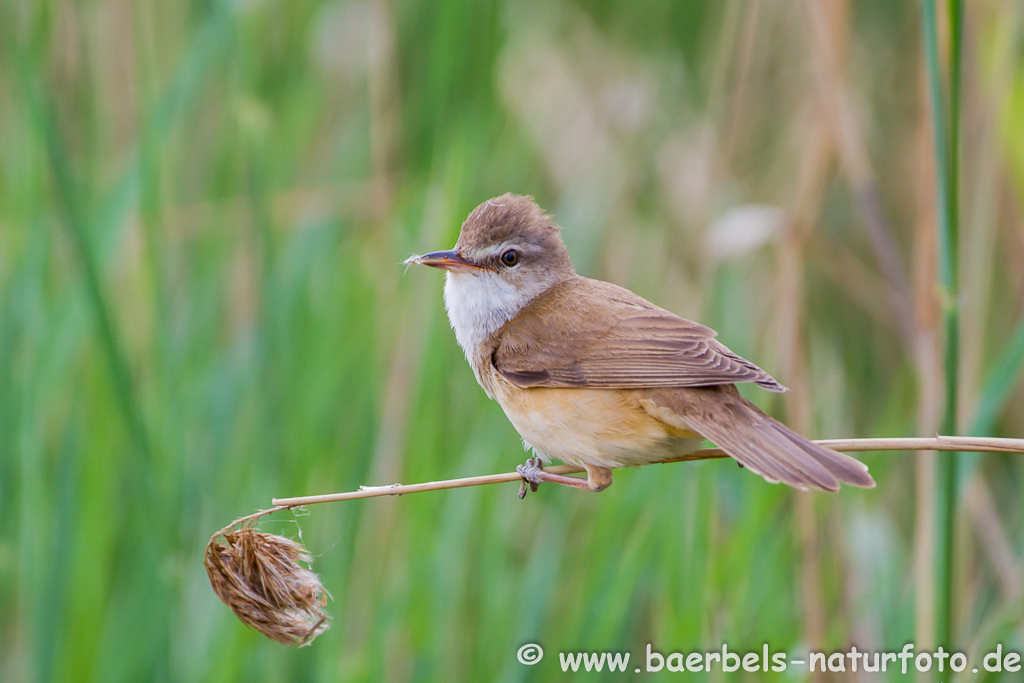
(259, 577)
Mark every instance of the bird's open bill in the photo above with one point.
(445, 260)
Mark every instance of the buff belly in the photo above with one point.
(607, 428)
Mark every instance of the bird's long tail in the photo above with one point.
(760, 443)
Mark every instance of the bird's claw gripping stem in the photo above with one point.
(533, 474)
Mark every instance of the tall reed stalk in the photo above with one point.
(946, 125)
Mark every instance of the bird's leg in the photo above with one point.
(533, 474)
(598, 478)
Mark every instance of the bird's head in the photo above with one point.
(508, 253)
(509, 237)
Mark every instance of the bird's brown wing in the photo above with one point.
(587, 333)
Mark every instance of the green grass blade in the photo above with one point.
(1006, 372)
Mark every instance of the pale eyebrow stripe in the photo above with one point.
(499, 249)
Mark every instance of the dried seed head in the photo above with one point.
(259, 577)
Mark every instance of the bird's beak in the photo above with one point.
(445, 260)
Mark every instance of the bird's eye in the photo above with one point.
(510, 258)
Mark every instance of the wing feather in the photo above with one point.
(587, 333)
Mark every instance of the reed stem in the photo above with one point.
(946, 140)
(937, 443)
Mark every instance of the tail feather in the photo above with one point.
(845, 468)
(760, 443)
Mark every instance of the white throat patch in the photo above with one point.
(478, 304)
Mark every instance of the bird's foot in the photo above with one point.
(530, 472)
(533, 475)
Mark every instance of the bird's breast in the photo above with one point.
(607, 427)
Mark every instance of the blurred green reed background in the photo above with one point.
(203, 209)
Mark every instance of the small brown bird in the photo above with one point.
(598, 377)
